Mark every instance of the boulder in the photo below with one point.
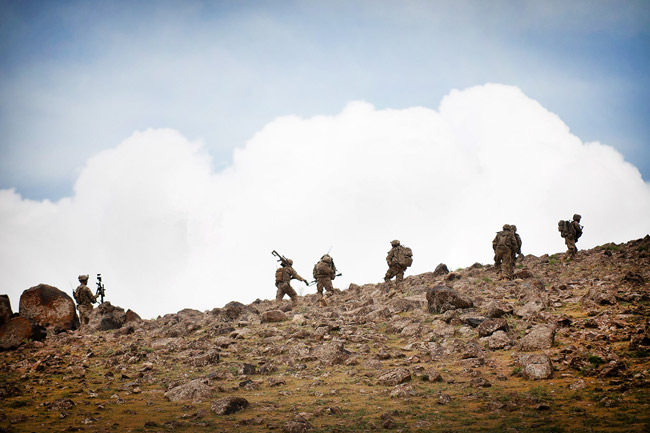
(535, 366)
(296, 427)
(17, 330)
(540, 337)
(106, 317)
(232, 310)
(598, 296)
(49, 307)
(497, 309)
(490, 326)
(443, 298)
(394, 377)
(132, 316)
(331, 353)
(273, 316)
(441, 269)
(228, 405)
(195, 390)
(5, 309)
(499, 340)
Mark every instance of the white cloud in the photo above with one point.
(168, 233)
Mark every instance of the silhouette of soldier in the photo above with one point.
(85, 299)
(283, 275)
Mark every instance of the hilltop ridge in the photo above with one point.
(563, 347)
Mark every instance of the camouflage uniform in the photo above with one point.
(505, 246)
(85, 300)
(395, 269)
(572, 238)
(283, 276)
(324, 273)
(518, 239)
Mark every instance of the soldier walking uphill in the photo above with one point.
(571, 232)
(85, 299)
(505, 247)
(283, 276)
(324, 273)
(399, 258)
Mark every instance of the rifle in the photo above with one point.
(282, 259)
(100, 289)
(311, 283)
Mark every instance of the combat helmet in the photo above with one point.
(394, 242)
(506, 227)
(83, 278)
(576, 217)
(289, 262)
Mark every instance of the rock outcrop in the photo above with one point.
(49, 307)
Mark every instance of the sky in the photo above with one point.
(171, 146)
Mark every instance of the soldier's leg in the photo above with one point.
(498, 258)
(280, 293)
(508, 266)
(327, 284)
(319, 286)
(390, 273)
(292, 294)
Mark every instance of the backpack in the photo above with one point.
(505, 238)
(405, 256)
(322, 268)
(76, 295)
(566, 229)
(279, 274)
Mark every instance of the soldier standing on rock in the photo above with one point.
(571, 232)
(399, 258)
(85, 300)
(505, 246)
(283, 275)
(324, 273)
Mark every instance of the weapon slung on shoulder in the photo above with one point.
(100, 289)
(282, 259)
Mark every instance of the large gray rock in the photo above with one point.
(394, 377)
(106, 317)
(273, 316)
(5, 309)
(228, 405)
(443, 298)
(195, 390)
(536, 366)
(490, 326)
(331, 353)
(49, 307)
(598, 296)
(499, 340)
(540, 337)
(17, 330)
(441, 269)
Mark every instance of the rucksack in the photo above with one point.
(566, 229)
(76, 296)
(506, 239)
(404, 256)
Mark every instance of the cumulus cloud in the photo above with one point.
(168, 232)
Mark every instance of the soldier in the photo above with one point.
(85, 300)
(399, 258)
(505, 247)
(324, 273)
(283, 275)
(571, 232)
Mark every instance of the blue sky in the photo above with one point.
(78, 77)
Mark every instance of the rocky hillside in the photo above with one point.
(563, 347)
